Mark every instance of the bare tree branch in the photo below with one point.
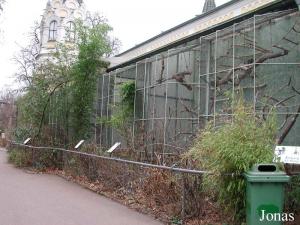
(291, 122)
(245, 69)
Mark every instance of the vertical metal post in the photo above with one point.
(183, 198)
(52, 113)
(33, 157)
(191, 66)
(96, 112)
(144, 110)
(101, 113)
(254, 66)
(89, 167)
(199, 82)
(233, 70)
(114, 103)
(49, 116)
(107, 109)
(166, 110)
(154, 105)
(215, 93)
(144, 93)
(56, 109)
(176, 94)
(208, 81)
(134, 108)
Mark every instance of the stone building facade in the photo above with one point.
(58, 24)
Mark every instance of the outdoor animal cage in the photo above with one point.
(178, 91)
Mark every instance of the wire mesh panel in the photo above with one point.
(179, 91)
(276, 72)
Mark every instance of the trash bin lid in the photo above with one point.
(266, 173)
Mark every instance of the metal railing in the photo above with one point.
(182, 179)
(169, 168)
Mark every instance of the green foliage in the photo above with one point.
(93, 44)
(122, 118)
(176, 220)
(293, 195)
(46, 81)
(127, 93)
(60, 92)
(22, 133)
(40, 160)
(233, 149)
(18, 157)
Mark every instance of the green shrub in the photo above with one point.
(232, 149)
(22, 133)
(47, 159)
(293, 195)
(127, 93)
(122, 118)
(40, 160)
(18, 158)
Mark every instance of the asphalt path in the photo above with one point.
(39, 199)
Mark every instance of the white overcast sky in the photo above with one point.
(134, 21)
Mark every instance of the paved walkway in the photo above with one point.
(34, 199)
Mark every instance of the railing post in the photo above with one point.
(32, 157)
(183, 198)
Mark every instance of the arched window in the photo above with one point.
(70, 31)
(53, 30)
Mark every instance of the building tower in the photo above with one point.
(58, 24)
(208, 6)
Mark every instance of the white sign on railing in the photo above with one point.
(113, 147)
(79, 144)
(287, 154)
(26, 141)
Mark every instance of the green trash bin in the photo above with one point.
(265, 194)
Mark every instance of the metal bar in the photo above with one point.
(215, 91)
(233, 72)
(173, 169)
(134, 108)
(277, 63)
(254, 66)
(176, 118)
(96, 112)
(146, 104)
(210, 115)
(219, 72)
(49, 108)
(172, 146)
(56, 110)
(183, 198)
(176, 92)
(101, 128)
(144, 88)
(208, 80)
(171, 97)
(199, 81)
(114, 104)
(107, 111)
(154, 106)
(166, 108)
